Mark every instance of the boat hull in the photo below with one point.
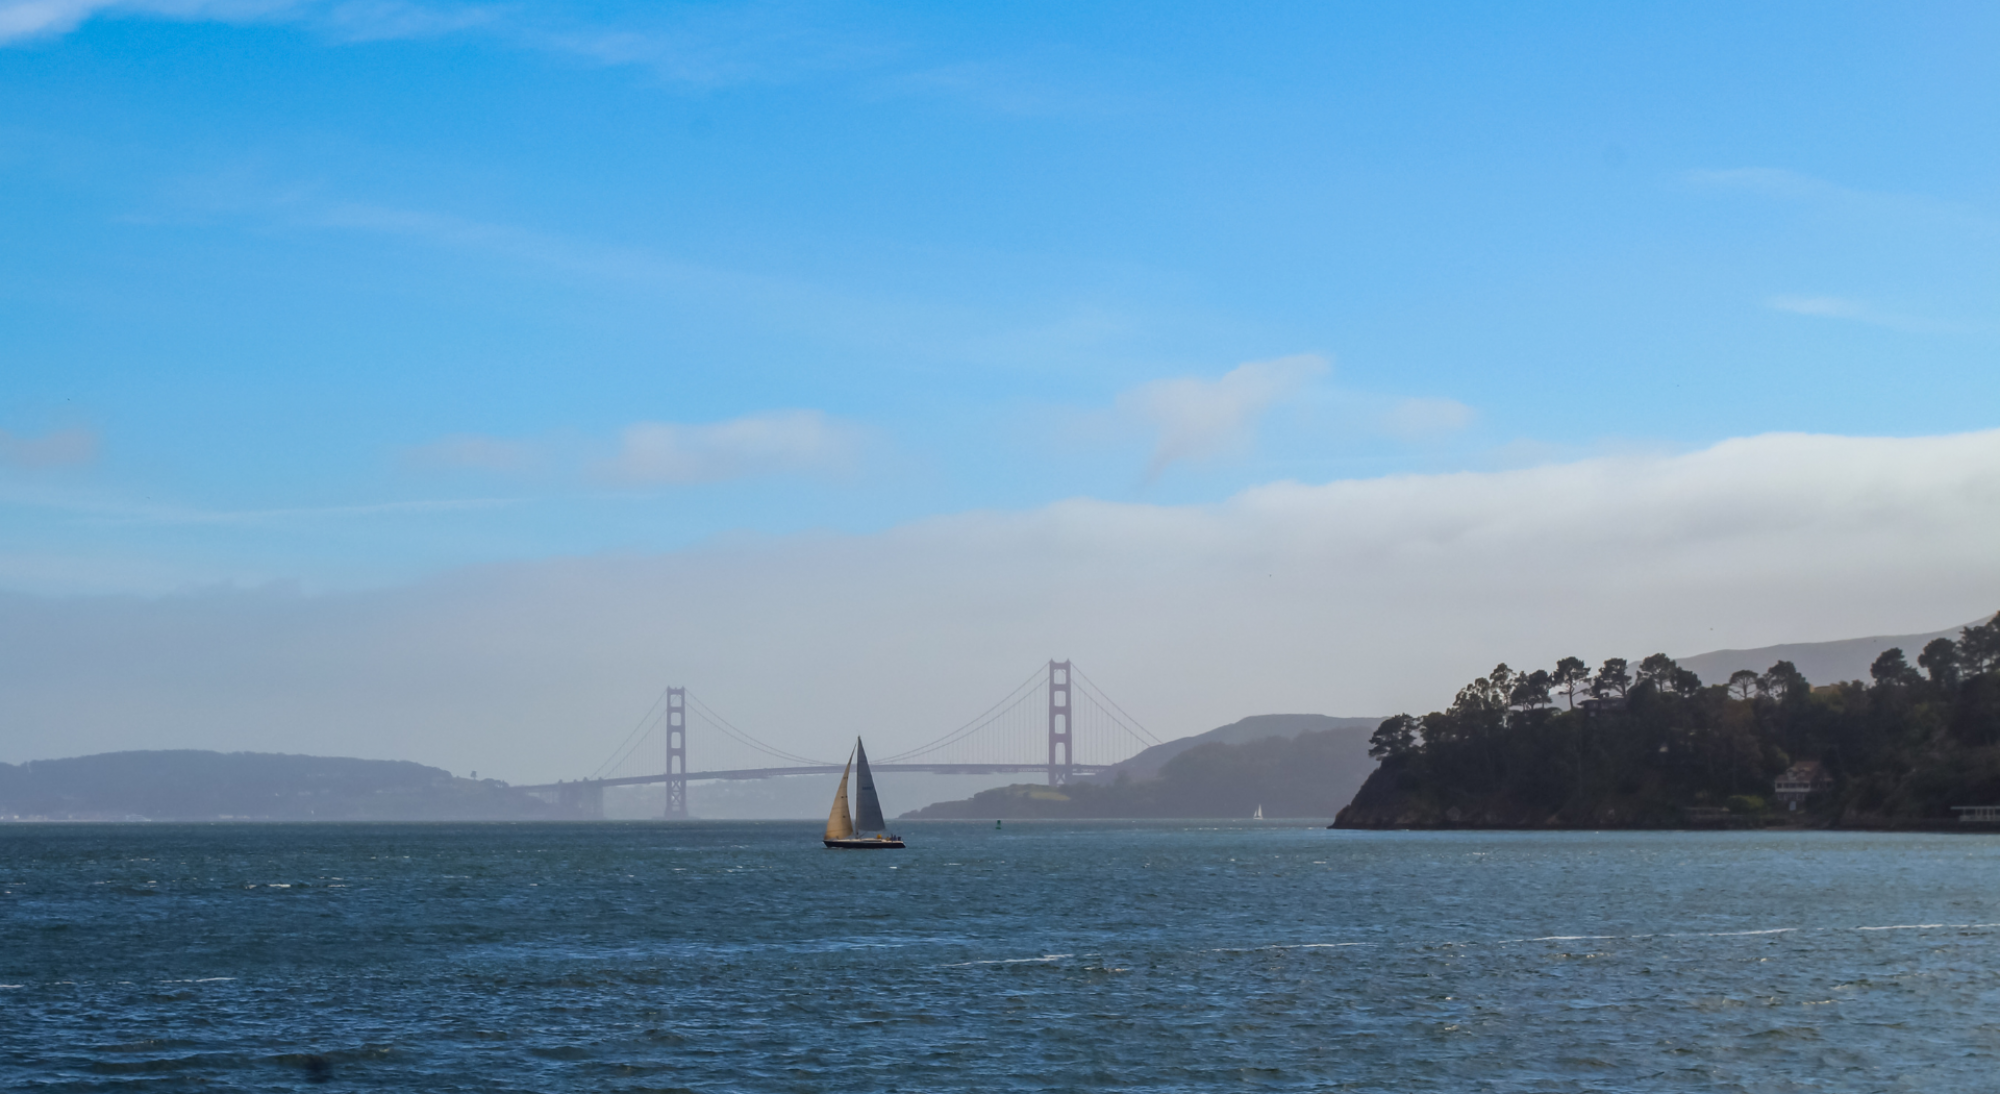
(864, 844)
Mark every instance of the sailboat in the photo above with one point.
(1259, 815)
(865, 830)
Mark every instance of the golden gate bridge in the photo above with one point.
(1056, 721)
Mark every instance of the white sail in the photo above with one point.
(838, 824)
(1260, 813)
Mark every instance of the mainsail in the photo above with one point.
(867, 807)
(838, 824)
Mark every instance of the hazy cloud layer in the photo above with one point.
(1352, 598)
(1196, 418)
(61, 448)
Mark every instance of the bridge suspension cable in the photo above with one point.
(640, 734)
(709, 715)
(1114, 713)
(1007, 705)
(1017, 731)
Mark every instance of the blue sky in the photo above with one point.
(351, 293)
(440, 381)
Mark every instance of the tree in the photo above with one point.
(1485, 697)
(1571, 676)
(1784, 681)
(1658, 670)
(1395, 738)
(1940, 659)
(1891, 671)
(1979, 648)
(1531, 690)
(1903, 750)
(1742, 683)
(1612, 677)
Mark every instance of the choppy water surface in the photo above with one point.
(720, 957)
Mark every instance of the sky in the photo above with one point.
(439, 381)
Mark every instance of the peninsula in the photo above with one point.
(1651, 745)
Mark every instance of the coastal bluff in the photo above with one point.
(1652, 745)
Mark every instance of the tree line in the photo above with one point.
(1647, 744)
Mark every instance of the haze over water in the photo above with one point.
(1136, 956)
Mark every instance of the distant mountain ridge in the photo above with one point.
(1288, 765)
(1821, 662)
(192, 785)
(1147, 764)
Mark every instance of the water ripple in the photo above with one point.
(743, 957)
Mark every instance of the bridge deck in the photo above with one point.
(818, 769)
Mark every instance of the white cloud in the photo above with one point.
(1424, 419)
(342, 20)
(1354, 597)
(1830, 306)
(688, 45)
(60, 448)
(778, 442)
(1907, 210)
(1903, 216)
(470, 452)
(1016, 87)
(1196, 418)
(27, 19)
(387, 20)
(118, 510)
(33, 18)
(839, 312)
(1836, 307)
(1769, 181)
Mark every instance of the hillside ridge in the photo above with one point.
(200, 785)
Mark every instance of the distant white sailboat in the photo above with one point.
(842, 830)
(1259, 814)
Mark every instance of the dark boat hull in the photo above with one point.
(864, 844)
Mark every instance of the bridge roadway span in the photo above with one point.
(817, 769)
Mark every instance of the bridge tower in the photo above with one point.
(1061, 733)
(677, 755)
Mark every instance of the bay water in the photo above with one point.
(738, 956)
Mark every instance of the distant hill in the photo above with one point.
(1280, 764)
(1147, 764)
(189, 785)
(1820, 662)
